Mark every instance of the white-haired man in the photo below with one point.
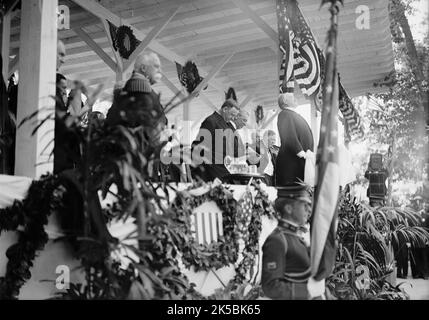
(138, 105)
(142, 103)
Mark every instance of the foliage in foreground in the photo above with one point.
(366, 238)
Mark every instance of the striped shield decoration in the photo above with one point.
(207, 225)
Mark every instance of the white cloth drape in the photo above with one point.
(13, 188)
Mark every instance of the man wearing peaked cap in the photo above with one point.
(286, 257)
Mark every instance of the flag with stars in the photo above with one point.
(303, 62)
(286, 35)
(326, 195)
(300, 60)
(244, 214)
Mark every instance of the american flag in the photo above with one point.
(324, 217)
(245, 208)
(286, 47)
(303, 62)
(300, 60)
(352, 122)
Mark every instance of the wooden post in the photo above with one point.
(5, 45)
(314, 125)
(186, 122)
(37, 67)
(391, 169)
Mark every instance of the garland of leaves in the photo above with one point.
(214, 255)
(121, 34)
(43, 199)
(170, 234)
(261, 207)
(189, 76)
(235, 220)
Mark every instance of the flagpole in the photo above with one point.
(326, 195)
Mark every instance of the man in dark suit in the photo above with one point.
(211, 145)
(66, 143)
(296, 139)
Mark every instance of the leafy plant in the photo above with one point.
(366, 237)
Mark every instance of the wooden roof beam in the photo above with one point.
(150, 37)
(170, 85)
(96, 48)
(257, 19)
(103, 13)
(213, 72)
(250, 96)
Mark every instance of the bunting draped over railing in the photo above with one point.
(303, 62)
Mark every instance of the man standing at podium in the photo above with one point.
(213, 166)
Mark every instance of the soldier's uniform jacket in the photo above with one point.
(286, 264)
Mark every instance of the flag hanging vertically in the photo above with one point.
(300, 61)
(307, 65)
(303, 62)
(286, 35)
(324, 217)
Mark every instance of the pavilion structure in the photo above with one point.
(234, 43)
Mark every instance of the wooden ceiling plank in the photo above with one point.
(100, 11)
(249, 97)
(170, 85)
(208, 102)
(257, 20)
(213, 72)
(97, 49)
(150, 37)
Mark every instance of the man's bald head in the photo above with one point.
(242, 118)
(149, 65)
(61, 54)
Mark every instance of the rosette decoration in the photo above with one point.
(123, 39)
(259, 114)
(189, 76)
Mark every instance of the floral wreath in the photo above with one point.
(236, 223)
(126, 41)
(189, 76)
(259, 113)
(216, 254)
